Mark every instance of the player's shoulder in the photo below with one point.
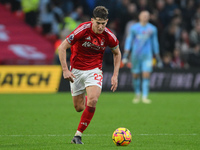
(85, 23)
(152, 26)
(83, 27)
(109, 33)
(135, 25)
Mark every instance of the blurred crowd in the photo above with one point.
(177, 21)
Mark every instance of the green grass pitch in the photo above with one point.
(49, 121)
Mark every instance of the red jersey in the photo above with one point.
(88, 47)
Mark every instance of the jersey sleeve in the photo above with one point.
(129, 39)
(155, 42)
(113, 42)
(77, 34)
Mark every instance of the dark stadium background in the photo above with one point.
(36, 107)
(32, 30)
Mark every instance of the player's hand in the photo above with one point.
(124, 60)
(160, 64)
(159, 61)
(68, 75)
(114, 83)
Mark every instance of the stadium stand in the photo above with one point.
(20, 44)
(177, 22)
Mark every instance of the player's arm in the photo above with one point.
(62, 56)
(156, 49)
(117, 59)
(127, 46)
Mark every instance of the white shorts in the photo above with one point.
(85, 78)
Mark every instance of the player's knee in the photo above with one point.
(79, 108)
(92, 102)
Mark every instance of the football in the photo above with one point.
(121, 136)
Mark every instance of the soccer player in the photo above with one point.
(88, 42)
(143, 43)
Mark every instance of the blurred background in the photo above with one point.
(31, 31)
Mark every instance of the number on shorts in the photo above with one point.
(98, 77)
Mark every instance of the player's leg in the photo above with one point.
(146, 71)
(93, 93)
(79, 105)
(145, 87)
(93, 84)
(136, 79)
(85, 101)
(78, 96)
(79, 102)
(136, 86)
(78, 90)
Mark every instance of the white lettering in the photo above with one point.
(181, 80)
(26, 51)
(3, 34)
(197, 81)
(157, 80)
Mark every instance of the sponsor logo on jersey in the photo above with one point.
(93, 46)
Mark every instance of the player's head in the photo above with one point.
(100, 19)
(144, 16)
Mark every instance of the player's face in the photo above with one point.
(144, 16)
(98, 25)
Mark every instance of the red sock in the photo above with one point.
(85, 101)
(86, 117)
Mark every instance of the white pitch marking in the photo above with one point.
(161, 134)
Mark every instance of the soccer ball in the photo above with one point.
(121, 136)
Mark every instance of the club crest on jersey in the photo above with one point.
(102, 42)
